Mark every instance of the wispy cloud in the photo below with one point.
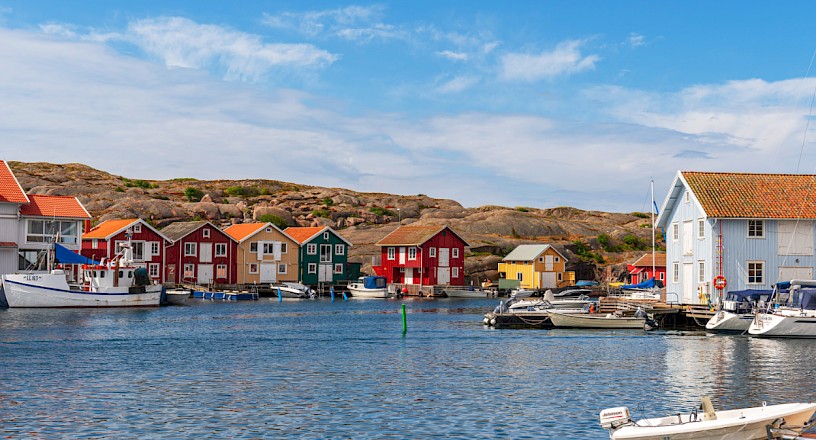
(636, 40)
(565, 59)
(354, 23)
(458, 84)
(456, 56)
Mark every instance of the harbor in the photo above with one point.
(345, 369)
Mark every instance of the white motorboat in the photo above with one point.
(369, 287)
(796, 318)
(293, 290)
(176, 297)
(551, 303)
(106, 285)
(464, 292)
(737, 310)
(521, 293)
(761, 422)
(592, 320)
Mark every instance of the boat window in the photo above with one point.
(101, 274)
(121, 274)
(130, 274)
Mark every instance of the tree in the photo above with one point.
(275, 220)
(193, 194)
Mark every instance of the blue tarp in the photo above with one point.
(67, 256)
(586, 283)
(748, 295)
(648, 284)
(374, 282)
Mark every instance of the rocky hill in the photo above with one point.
(597, 244)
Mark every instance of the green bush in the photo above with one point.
(193, 194)
(382, 211)
(325, 213)
(274, 219)
(241, 191)
(522, 209)
(138, 183)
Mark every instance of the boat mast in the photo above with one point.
(651, 208)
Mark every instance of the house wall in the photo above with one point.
(310, 264)
(424, 270)
(108, 249)
(246, 260)
(176, 258)
(9, 226)
(686, 283)
(531, 270)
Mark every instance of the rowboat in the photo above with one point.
(761, 422)
(561, 319)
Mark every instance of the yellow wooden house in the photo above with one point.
(536, 266)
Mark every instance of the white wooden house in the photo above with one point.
(747, 231)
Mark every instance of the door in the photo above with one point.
(548, 280)
(205, 273)
(688, 283)
(206, 252)
(268, 273)
(325, 272)
(171, 273)
(409, 275)
(443, 275)
(402, 255)
(444, 257)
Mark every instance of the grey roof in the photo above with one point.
(528, 252)
(178, 230)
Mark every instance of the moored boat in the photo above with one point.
(766, 421)
(369, 287)
(293, 290)
(796, 318)
(737, 310)
(591, 320)
(176, 297)
(464, 292)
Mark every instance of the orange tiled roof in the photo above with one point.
(744, 195)
(10, 190)
(241, 231)
(301, 234)
(410, 235)
(108, 228)
(54, 206)
(646, 260)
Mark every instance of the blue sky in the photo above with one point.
(541, 104)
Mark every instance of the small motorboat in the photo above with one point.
(761, 422)
(521, 293)
(176, 297)
(641, 320)
(464, 292)
(549, 301)
(370, 287)
(293, 290)
(796, 318)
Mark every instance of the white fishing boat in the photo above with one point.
(293, 290)
(737, 310)
(549, 301)
(762, 422)
(369, 287)
(796, 318)
(596, 320)
(176, 297)
(106, 285)
(464, 292)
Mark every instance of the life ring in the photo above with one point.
(720, 282)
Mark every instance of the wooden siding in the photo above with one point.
(531, 270)
(424, 270)
(245, 257)
(107, 248)
(306, 258)
(175, 258)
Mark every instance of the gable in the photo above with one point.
(10, 189)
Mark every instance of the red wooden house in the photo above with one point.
(146, 244)
(641, 270)
(200, 253)
(422, 255)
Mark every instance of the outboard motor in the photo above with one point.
(613, 418)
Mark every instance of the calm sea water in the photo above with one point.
(322, 369)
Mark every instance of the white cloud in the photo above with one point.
(354, 23)
(636, 40)
(565, 59)
(456, 56)
(458, 84)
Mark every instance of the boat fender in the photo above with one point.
(486, 321)
(493, 322)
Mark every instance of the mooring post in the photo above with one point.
(404, 321)
(331, 290)
(280, 295)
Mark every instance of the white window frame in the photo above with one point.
(311, 249)
(189, 271)
(338, 268)
(701, 229)
(675, 272)
(392, 253)
(284, 248)
(283, 268)
(339, 249)
(432, 252)
(454, 272)
(326, 235)
(311, 268)
(557, 259)
(137, 228)
(220, 249)
(686, 197)
(675, 231)
(95, 243)
(221, 271)
(701, 277)
(155, 249)
(758, 225)
(205, 233)
(757, 266)
(153, 270)
(253, 268)
(190, 249)
(662, 276)
(412, 253)
(455, 252)
(253, 247)
(519, 276)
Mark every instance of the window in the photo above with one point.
(560, 276)
(189, 249)
(46, 231)
(268, 229)
(675, 231)
(282, 268)
(189, 271)
(432, 252)
(520, 276)
(338, 268)
(253, 246)
(311, 249)
(220, 249)
(95, 243)
(701, 229)
(312, 268)
(253, 268)
(325, 235)
(686, 197)
(756, 229)
(557, 260)
(455, 253)
(206, 233)
(701, 271)
(221, 271)
(138, 250)
(284, 248)
(412, 251)
(662, 276)
(339, 249)
(137, 228)
(756, 272)
(454, 272)
(675, 272)
(392, 253)
(30, 260)
(153, 270)
(269, 248)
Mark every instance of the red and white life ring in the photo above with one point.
(720, 282)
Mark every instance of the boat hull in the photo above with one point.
(575, 320)
(724, 321)
(465, 293)
(23, 293)
(177, 297)
(737, 424)
(368, 293)
(789, 324)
